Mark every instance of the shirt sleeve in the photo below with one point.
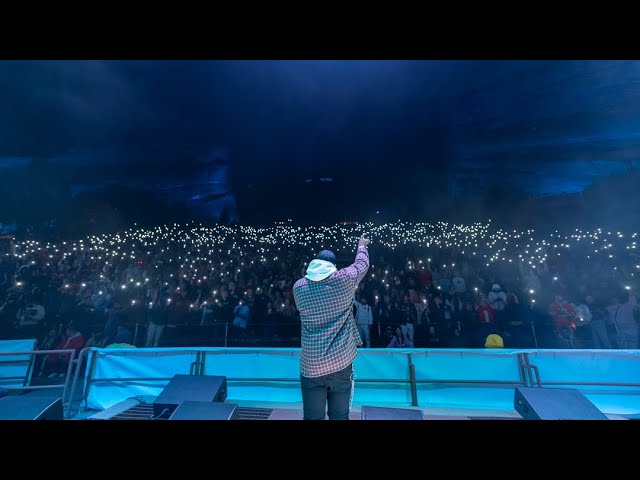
(358, 269)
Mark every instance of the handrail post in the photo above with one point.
(196, 366)
(135, 334)
(527, 366)
(537, 372)
(30, 368)
(533, 368)
(68, 377)
(226, 333)
(75, 381)
(85, 392)
(522, 368)
(412, 380)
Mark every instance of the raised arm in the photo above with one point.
(358, 269)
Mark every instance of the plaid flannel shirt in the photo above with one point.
(329, 333)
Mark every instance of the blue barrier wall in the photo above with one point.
(446, 378)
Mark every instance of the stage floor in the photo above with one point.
(293, 411)
(261, 410)
(288, 411)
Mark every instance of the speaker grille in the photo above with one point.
(246, 413)
(494, 418)
(144, 411)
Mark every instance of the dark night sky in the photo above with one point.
(545, 126)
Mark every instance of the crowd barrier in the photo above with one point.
(18, 361)
(479, 379)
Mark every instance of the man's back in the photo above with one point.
(329, 334)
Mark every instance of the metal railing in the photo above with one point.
(531, 376)
(214, 334)
(219, 334)
(529, 373)
(412, 379)
(30, 363)
(223, 333)
(198, 368)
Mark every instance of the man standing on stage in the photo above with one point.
(324, 298)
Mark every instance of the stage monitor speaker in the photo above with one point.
(535, 403)
(384, 413)
(195, 388)
(22, 407)
(205, 411)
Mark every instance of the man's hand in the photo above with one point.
(363, 242)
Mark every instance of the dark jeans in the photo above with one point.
(334, 389)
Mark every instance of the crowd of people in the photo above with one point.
(428, 286)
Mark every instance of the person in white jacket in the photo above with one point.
(497, 298)
(364, 320)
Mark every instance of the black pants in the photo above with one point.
(334, 389)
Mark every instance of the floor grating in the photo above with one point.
(247, 413)
(144, 411)
(494, 418)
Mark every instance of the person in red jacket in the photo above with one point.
(485, 314)
(57, 363)
(564, 321)
(425, 277)
(484, 310)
